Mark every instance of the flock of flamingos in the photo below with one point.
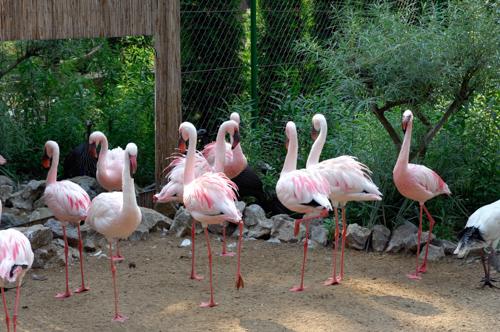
(201, 181)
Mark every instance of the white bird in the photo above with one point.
(481, 231)
(116, 215)
(16, 258)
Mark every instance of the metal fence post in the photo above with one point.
(253, 54)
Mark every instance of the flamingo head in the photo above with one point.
(407, 118)
(236, 138)
(93, 150)
(131, 151)
(186, 130)
(289, 130)
(47, 153)
(235, 117)
(316, 125)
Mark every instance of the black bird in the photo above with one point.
(79, 161)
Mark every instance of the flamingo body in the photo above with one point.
(109, 163)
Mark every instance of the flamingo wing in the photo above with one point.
(104, 211)
(209, 153)
(67, 200)
(15, 251)
(115, 160)
(428, 180)
(302, 187)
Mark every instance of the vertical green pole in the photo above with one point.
(253, 53)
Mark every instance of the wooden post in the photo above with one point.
(168, 112)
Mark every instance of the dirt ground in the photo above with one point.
(158, 296)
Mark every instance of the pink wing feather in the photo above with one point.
(67, 201)
(15, 249)
(428, 179)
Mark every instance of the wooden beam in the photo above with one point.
(168, 112)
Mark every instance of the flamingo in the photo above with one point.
(69, 203)
(2, 160)
(210, 199)
(116, 214)
(417, 183)
(349, 180)
(109, 169)
(481, 231)
(302, 191)
(16, 258)
(173, 190)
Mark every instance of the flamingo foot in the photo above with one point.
(227, 254)
(208, 304)
(117, 258)
(120, 318)
(297, 289)
(239, 282)
(64, 295)
(423, 268)
(195, 276)
(82, 289)
(332, 281)
(414, 276)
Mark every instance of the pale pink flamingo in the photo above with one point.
(349, 180)
(69, 203)
(16, 258)
(109, 168)
(302, 191)
(2, 160)
(116, 214)
(210, 199)
(417, 183)
(173, 190)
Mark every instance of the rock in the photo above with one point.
(253, 213)
(402, 235)
(25, 198)
(88, 234)
(154, 220)
(262, 230)
(357, 236)
(73, 253)
(38, 235)
(181, 225)
(448, 246)
(411, 244)
(240, 205)
(43, 256)
(40, 215)
(5, 192)
(12, 220)
(380, 237)
(435, 253)
(140, 234)
(283, 226)
(274, 240)
(6, 181)
(89, 184)
(319, 234)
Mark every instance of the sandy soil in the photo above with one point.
(158, 296)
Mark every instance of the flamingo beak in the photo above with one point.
(133, 165)
(236, 139)
(155, 198)
(287, 141)
(46, 160)
(404, 123)
(93, 150)
(314, 133)
(182, 144)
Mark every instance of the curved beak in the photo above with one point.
(155, 198)
(404, 123)
(46, 160)
(236, 139)
(182, 144)
(314, 133)
(133, 165)
(287, 141)
(93, 150)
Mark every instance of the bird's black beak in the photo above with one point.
(236, 139)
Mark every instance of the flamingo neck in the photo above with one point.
(404, 153)
(190, 157)
(220, 147)
(317, 147)
(52, 174)
(291, 155)
(128, 187)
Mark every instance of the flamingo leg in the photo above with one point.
(423, 268)
(344, 234)
(300, 288)
(80, 249)
(118, 317)
(193, 276)
(416, 275)
(333, 279)
(118, 256)
(67, 293)
(224, 252)
(239, 278)
(16, 305)
(211, 303)
(7, 319)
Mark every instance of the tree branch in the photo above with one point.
(391, 104)
(421, 116)
(387, 125)
(28, 54)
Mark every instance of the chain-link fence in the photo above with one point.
(216, 51)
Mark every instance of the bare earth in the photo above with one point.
(158, 296)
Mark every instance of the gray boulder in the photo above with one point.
(13, 220)
(240, 205)
(38, 235)
(6, 181)
(448, 246)
(283, 227)
(357, 236)
(435, 253)
(29, 193)
(403, 234)
(181, 225)
(319, 234)
(5, 192)
(40, 215)
(253, 214)
(43, 256)
(380, 237)
(89, 184)
(262, 230)
(154, 220)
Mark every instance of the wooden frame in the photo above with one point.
(61, 19)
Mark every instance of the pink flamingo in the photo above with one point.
(69, 203)
(174, 189)
(116, 215)
(16, 258)
(109, 169)
(210, 199)
(302, 191)
(349, 180)
(417, 183)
